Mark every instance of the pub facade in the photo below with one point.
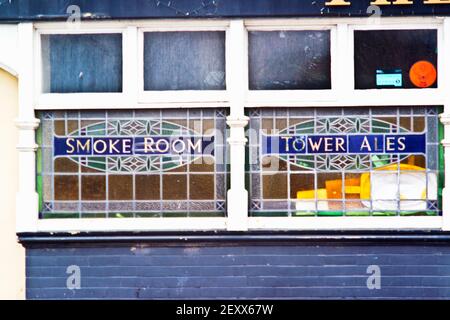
(233, 149)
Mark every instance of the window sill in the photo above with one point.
(233, 238)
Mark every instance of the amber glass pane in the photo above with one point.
(65, 165)
(120, 187)
(301, 182)
(148, 187)
(201, 186)
(275, 186)
(66, 187)
(174, 187)
(93, 188)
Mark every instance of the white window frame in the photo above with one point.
(237, 97)
(175, 97)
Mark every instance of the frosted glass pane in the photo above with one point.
(82, 63)
(184, 61)
(289, 60)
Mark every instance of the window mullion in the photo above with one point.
(342, 64)
(130, 65)
(237, 85)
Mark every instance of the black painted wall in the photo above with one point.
(286, 270)
(23, 10)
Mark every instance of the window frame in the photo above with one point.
(303, 95)
(54, 101)
(178, 96)
(237, 98)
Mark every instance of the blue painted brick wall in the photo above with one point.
(276, 271)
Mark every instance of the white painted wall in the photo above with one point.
(8, 52)
(12, 261)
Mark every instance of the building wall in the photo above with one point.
(12, 265)
(201, 271)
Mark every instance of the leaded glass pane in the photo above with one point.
(345, 161)
(133, 164)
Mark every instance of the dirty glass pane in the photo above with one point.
(360, 161)
(82, 63)
(149, 163)
(384, 59)
(184, 60)
(289, 60)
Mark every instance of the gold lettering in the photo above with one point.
(401, 144)
(365, 144)
(72, 148)
(103, 149)
(436, 2)
(403, 2)
(112, 146)
(85, 147)
(337, 3)
(328, 144)
(315, 145)
(148, 144)
(197, 145)
(127, 146)
(390, 144)
(380, 3)
(286, 141)
(339, 144)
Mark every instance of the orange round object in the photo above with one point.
(423, 74)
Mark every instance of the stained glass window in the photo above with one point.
(365, 161)
(149, 163)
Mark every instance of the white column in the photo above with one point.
(444, 81)
(237, 85)
(27, 208)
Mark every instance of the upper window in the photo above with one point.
(389, 59)
(184, 60)
(289, 60)
(82, 63)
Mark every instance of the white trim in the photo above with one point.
(8, 55)
(9, 69)
(131, 224)
(178, 96)
(344, 223)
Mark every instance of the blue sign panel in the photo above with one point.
(123, 146)
(346, 144)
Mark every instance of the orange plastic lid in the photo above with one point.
(423, 74)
